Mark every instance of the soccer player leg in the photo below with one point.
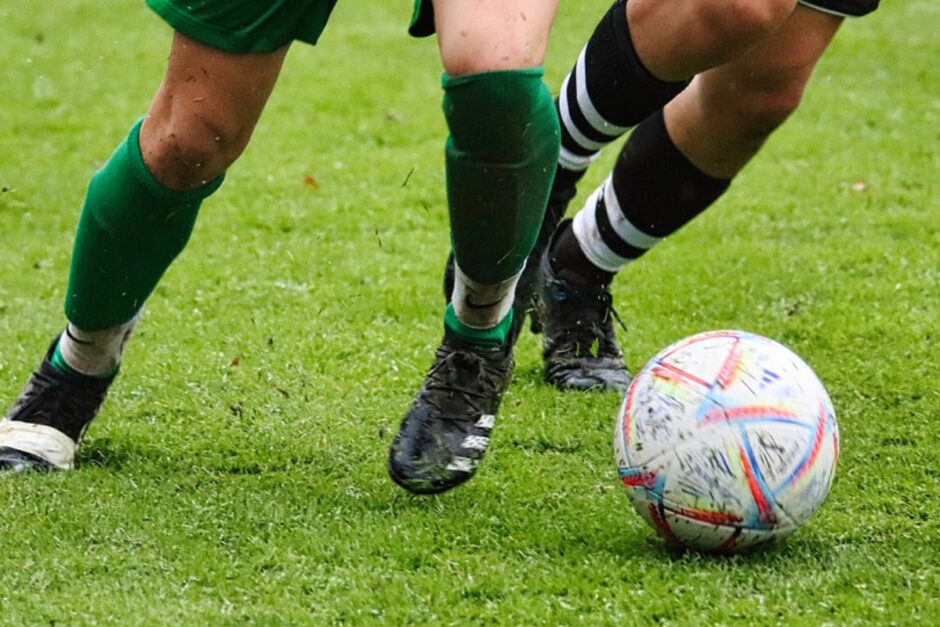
(500, 160)
(652, 190)
(138, 214)
(664, 178)
(607, 92)
(729, 112)
(640, 56)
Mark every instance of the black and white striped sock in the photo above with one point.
(608, 91)
(652, 192)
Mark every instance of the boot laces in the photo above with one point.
(460, 380)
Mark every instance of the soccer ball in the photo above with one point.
(726, 440)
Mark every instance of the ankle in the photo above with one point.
(493, 337)
(95, 354)
(568, 261)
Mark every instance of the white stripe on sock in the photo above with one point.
(590, 240)
(575, 163)
(576, 134)
(623, 227)
(591, 114)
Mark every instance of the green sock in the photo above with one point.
(500, 157)
(494, 337)
(130, 230)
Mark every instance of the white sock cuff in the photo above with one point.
(576, 163)
(95, 352)
(479, 305)
(589, 237)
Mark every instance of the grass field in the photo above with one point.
(237, 472)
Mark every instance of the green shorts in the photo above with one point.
(422, 19)
(246, 25)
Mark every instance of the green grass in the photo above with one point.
(253, 490)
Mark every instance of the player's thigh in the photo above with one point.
(210, 83)
(486, 35)
(774, 73)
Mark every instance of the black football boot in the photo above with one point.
(446, 432)
(47, 421)
(579, 343)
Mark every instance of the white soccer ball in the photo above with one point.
(726, 440)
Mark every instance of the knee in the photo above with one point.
(186, 151)
(509, 54)
(736, 21)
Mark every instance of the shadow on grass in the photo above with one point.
(802, 551)
(106, 453)
(568, 524)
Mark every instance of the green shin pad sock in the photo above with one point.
(130, 230)
(493, 337)
(500, 157)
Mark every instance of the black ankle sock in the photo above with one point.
(563, 186)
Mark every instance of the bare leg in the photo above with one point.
(727, 113)
(487, 35)
(203, 115)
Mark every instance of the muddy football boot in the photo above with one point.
(579, 343)
(446, 432)
(44, 426)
